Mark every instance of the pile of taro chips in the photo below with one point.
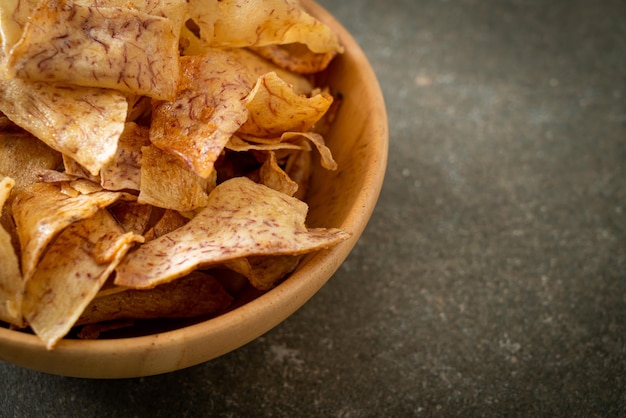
(155, 157)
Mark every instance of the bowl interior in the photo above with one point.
(344, 198)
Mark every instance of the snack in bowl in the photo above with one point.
(201, 199)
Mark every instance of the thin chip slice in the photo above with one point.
(257, 65)
(124, 170)
(273, 176)
(168, 183)
(11, 284)
(132, 216)
(13, 16)
(42, 210)
(170, 221)
(207, 111)
(71, 272)
(326, 157)
(110, 47)
(82, 123)
(195, 295)
(296, 58)
(274, 108)
(23, 157)
(174, 10)
(244, 23)
(299, 167)
(265, 272)
(236, 143)
(242, 219)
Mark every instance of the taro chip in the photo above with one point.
(71, 272)
(299, 167)
(132, 216)
(124, 170)
(264, 273)
(254, 63)
(207, 111)
(326, 157)
(109, 47)
(42, 211)
(168, 183)
(242, 219)
(22, 157)
(174, 10)
(11, 284)
(198, 294)
(13, 16)
(170, 221)
(296, 58)
(274, 108)
(244, 23)
(273, 176)
(82, 123)
(236, 143)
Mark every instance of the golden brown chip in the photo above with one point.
(274, 108)
(42, 210)
(13, 16)
(275, 177)
(22, 157)
(168, 183)
(256, 64)
(207, 110)
(71, 272)
(82, 123)
(132, 216)
(244, 23)
(110, 47)
(170, 221)
(296, 58)
(298, 167)
(236, 143)
(327, 161)
(265, 272)
(124, 170)
(197, 294)
(242, 219)
(11, 284)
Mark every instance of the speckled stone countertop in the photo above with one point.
(491, 280)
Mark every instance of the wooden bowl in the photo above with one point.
(344, 198)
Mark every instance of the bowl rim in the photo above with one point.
(161, 352)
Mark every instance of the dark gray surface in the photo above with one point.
(491, 280)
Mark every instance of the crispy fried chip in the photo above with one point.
(265, 272)
(71, 272)
(124, 170)
(296, 58)
(82, 123)
(275, 177)
(42, 210)
(132, 216)
(207, 111)
(274, 108)
(256, 64)
(198, 294)
(298, 167)
(244, 23)
(11, 284)
(327, 160)
(236, 143)
(22, 157)
(168, 183)
(13, 16)
(110, 47)
(242, 219)
(170, 221)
